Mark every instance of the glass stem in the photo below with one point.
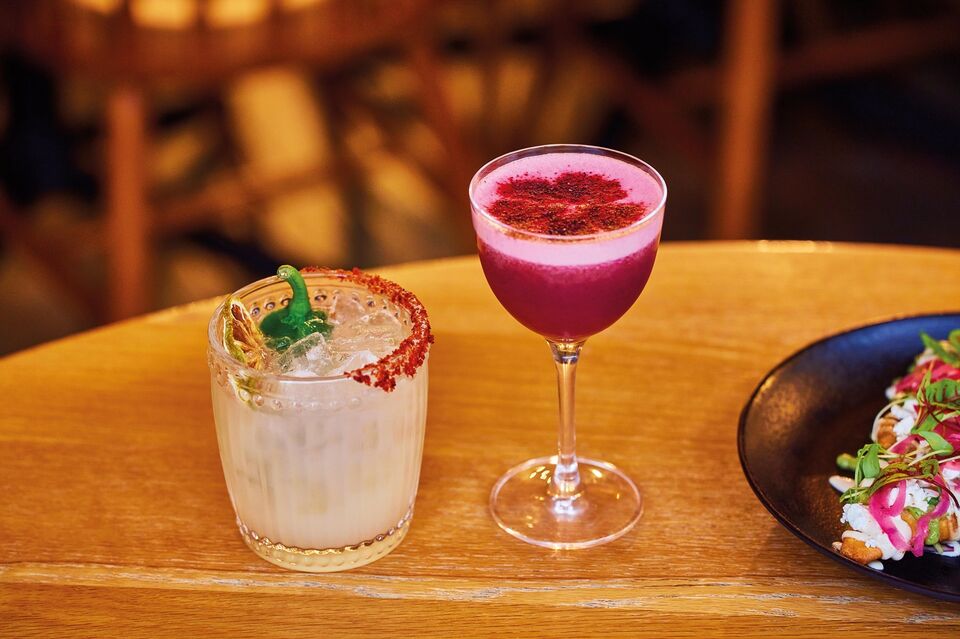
(566, 479)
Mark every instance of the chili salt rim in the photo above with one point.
(407, 358)
(403, 360)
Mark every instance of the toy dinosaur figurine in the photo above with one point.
(297, 319)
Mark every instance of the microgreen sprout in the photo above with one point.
(950, 353)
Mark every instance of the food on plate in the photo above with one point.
(903, 496)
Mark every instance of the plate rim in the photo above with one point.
(796, 530)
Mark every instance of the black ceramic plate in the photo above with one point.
(821, 402)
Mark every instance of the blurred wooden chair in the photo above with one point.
(133, 46)
(755, 66)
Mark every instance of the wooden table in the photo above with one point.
(115, 518)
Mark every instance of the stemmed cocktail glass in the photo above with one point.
(567, 236)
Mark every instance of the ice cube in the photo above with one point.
(347, 309)
(362, 334)
(379, 327)
(354, 361)
(384, 324)
(379, 345)
(308, 356)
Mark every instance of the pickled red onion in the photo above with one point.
(938, 370)
(883, 512)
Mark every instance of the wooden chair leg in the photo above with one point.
(750, 58)
(127, 221)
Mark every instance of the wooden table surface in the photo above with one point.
(115, 518)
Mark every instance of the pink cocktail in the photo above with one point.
(567, 236)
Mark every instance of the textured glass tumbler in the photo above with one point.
(322, 471)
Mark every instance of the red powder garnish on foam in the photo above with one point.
(412, 351)
(573, 203)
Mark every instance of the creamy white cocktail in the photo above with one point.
(321, 444)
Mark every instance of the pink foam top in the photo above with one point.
(638, 188)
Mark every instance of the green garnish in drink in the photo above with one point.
(297, 319)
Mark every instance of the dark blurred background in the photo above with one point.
(154, 152)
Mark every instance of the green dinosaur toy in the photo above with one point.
(297, 319)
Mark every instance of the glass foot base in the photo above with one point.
(608, 505)
(326, 559)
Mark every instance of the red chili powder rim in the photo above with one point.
(407, 358)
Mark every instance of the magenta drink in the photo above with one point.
(567, 236)
(567, 240)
